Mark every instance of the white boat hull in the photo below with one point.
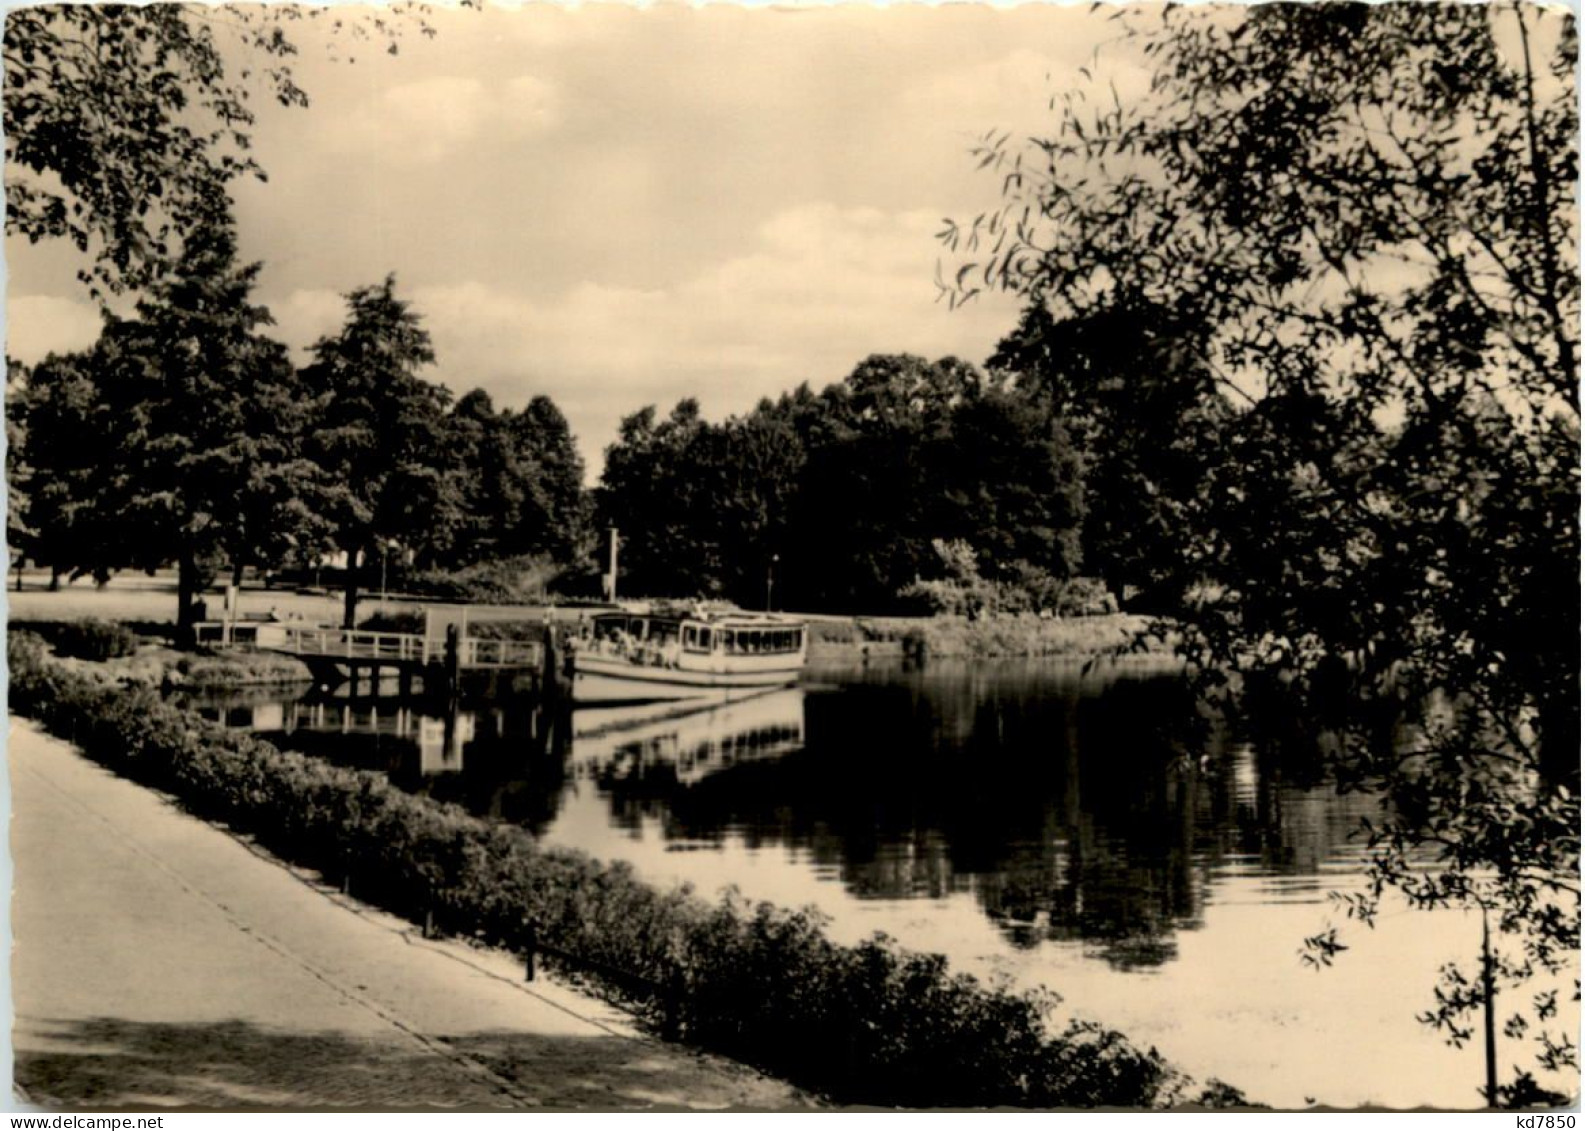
(599, 679)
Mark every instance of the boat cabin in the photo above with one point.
(736, 635)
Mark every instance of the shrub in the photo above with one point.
(869, 1024)
(505, 582)
(411, 621)
(1021, 587)
(94, 640)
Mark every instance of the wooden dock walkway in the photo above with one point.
(338, 654)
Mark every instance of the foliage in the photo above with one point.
(1369, 212)
(866, 1024)
(522, 482)
(175, 436)
(379, 434)
(962, 591)
(509, 582)
(94, 639)
(53, 418)
(832, 501)
(1129, 386)
(124, 124)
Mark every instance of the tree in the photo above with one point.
(58, 431)
(19, 475)
(1147, 417)
(200, 421)
(380, 434)
(521, 480)
(653, 492)
(840, 498)
(1371, 210)
(125, 124)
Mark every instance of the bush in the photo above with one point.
(870, 1024)
(411, 622)
(1020, 588)
(94, 640)
(506, 582)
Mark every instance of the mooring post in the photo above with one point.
(453, 659)
(550, 668)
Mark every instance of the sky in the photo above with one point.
(617, 207)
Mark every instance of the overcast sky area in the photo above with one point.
(618, 207)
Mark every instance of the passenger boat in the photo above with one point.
(650, 657)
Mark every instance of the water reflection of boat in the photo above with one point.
(439, 739)
(695, 743)
(710, 656)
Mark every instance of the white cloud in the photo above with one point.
(305, 316)
(822, 288)
(429, 119)
(37, 325)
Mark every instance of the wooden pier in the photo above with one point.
(337, 655)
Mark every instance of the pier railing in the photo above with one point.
(367, 645)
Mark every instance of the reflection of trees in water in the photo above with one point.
(1087, 814)
(503, 762)
(1094, 812)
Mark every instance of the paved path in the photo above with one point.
(159, 960)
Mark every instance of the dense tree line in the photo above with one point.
(186, 435)
(838, 499)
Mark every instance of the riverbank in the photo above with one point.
(730, 977)
(156, 664)
(1012, 637)
(160, 961)
(152, 602)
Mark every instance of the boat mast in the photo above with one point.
(610, 578)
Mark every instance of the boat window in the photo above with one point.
(696, 639)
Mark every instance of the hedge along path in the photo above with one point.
(866, 1024)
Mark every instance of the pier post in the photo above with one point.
(453, 660)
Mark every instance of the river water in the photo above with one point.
(1095, 834)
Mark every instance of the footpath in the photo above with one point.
(159, 960)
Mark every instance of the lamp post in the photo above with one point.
(770, 579)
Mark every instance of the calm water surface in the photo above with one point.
(1094, 834)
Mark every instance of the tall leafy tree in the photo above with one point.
(59, 429)
(837, 499)
(124, 124)
(521, 481)
(202, 419)
(1372, 210)
(1129, 385)
(653, 493)
(380, 435)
